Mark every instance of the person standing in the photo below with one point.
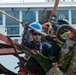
(36, 45)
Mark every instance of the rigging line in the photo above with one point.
(22, 64)
(43, 11)
(13, 12)
(27, 11)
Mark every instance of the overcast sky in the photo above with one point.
(17, 1)
(21, 1)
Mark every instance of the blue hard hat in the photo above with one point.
(36, 25)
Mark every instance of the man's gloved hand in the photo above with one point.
(50, 38)
(25, 25)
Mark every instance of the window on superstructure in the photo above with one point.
(13, 31)
(44, 16)
(73, 16)
(29, 16)
(12, 26)
(10, 21)
(0, 19)
(63, 14)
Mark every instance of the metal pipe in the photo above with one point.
(24, 24)
(10, 16)
(55, 8)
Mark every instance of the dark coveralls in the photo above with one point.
(46, 49)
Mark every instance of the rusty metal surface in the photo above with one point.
(9, 51)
